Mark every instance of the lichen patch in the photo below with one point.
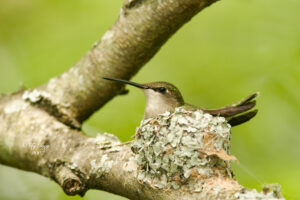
(35, 95)
(130, 165)
(101, 167)
(270, 192)
(108, 142)
(15, 106)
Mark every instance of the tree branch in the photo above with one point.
(40, 128)
(37, 142)
(143, 26)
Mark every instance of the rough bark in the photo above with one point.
(33, 140)
(40, 128)
(142, 27)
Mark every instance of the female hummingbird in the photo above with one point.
(163, 96)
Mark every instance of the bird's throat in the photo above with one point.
(157, 104)
(153, 110)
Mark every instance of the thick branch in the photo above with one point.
(39, 143)
(142, 28)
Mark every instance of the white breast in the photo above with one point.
(156, 104)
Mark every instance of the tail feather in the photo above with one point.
(242, 118)
(236, 113)
(244, 100)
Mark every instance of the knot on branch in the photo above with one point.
(183, 148)
(68, 177)
(72, 186)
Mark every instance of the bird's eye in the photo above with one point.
(162, 89)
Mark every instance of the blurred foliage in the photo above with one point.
(228, 51)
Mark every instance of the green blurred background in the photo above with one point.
(228, 51)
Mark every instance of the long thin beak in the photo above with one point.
(127, 82)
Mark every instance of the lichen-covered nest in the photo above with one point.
(181, 148)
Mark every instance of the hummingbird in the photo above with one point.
(163, 96)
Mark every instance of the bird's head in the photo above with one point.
(160, 96)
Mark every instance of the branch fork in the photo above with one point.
(176, 156)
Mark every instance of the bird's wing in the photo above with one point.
(232, 111)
